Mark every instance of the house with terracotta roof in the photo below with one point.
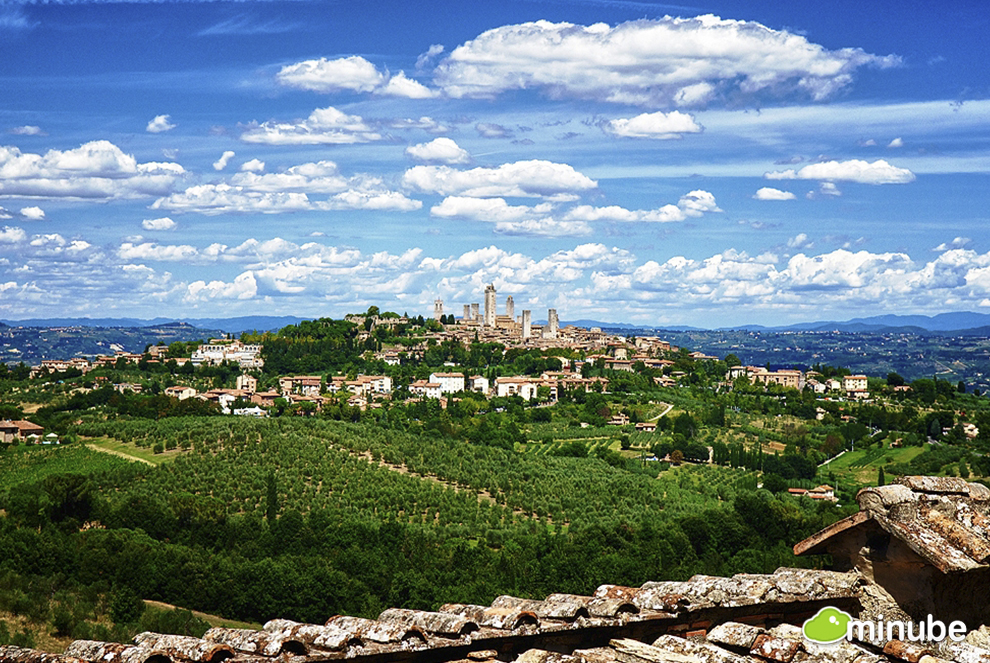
(19, 429)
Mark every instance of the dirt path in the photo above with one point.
(664, 413)
(119, 453)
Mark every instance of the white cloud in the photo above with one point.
(664, 62)
(12, 235)
(957, 243)
(769, 193)
(291, 190)
(897, 142)
(160, 124)
(163, 223)
(800, 242)
(224, 159)
(520, 178)
(443, 150)
(253, 166)
(33, 213)
(487, 209)
(212, 199)
(692, 204)
(424, 59)
(94, 170)
(324, 126)
(828, 189)
(352, 73)
(157, 252)
(28, 130)
(402, 86)
(243, 287)
(659, 126)
(543, 228)
(854, 170)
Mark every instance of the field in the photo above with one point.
(860, 467)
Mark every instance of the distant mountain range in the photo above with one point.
(230, 325)
(961, 323)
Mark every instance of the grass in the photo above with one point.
(860, 466)
(212, 620)
(132, 451)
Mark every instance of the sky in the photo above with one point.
(710, 164)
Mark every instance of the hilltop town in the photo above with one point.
(386, 461)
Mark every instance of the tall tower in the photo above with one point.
(437, 309)
(490, 305)
(510, 309)
(527, 323)
(474, 311)
(553, 324)
(467, 312)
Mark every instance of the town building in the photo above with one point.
(181, 392)
(450, 383)
(247, 383)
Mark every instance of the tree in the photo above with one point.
(676, 456)
(732, 360)
(881, 479)
(895, 380)
(271, 499)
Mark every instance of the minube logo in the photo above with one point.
(827, 626)
(830, 625)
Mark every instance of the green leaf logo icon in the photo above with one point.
(827, 626)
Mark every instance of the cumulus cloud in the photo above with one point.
(897, 142)
(487, 209)
(692, 204)
(324, 126)
(442, 150)
(160, 124)
(28, 130)
(350, 73)
(769, 193)
(253, 166)
(532, 178)
(800, 242)
(854, 170)
(242, 287)
(224, 159)
(289, 191)
(543, 228)
(658, 126)
(163, 223)
(401, 85)
(94, 170)
(354, 74)
(12, 235)
(687, 62)
(33, 213)
(157, 252)
(957, 243)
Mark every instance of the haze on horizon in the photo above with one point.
(717, 164)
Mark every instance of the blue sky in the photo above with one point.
(709, 164)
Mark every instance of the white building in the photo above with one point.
(450, 383)
(521, 386)
(214, 354)
(425, 389)
(478, 383)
